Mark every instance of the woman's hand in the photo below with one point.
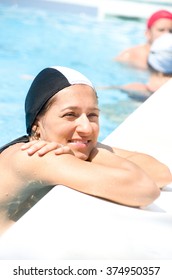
(42, 147)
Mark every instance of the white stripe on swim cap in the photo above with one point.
(160, 56)
(73, 76)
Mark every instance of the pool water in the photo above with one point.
(31, 40)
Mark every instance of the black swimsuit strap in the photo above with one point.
(22, 139)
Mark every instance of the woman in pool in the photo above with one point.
(158, 23)
(62, 110)
(160, 67)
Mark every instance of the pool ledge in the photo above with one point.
(126, 8)
(99, 8)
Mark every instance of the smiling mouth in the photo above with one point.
(80, 142)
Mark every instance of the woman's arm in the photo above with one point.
(158, 171)
(123, 183)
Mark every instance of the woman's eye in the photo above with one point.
(93, 115)
(70, 114)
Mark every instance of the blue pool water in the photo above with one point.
(31, 39)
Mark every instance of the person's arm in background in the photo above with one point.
(137, 91)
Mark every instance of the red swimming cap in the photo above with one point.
(158, 15)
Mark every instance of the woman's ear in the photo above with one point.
(35, 133)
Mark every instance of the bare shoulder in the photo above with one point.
(25, 168)
(128, 53)
(38, 167)
(51, 169)
(132, 53)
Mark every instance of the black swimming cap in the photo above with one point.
(45, 85)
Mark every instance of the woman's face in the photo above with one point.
(73, 120)
(160, 27)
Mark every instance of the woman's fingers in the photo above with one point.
(48, 147)
(35, 146)
(42, 147)
(63, 150)
(28, 145)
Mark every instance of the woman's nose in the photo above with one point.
(83, 124)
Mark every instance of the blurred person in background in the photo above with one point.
(160, 67)
(159, 23)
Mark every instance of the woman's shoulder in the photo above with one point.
(49, 168)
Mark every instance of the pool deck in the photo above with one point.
(126, 8)
(100, 8)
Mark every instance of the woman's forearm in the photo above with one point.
(158, 171)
